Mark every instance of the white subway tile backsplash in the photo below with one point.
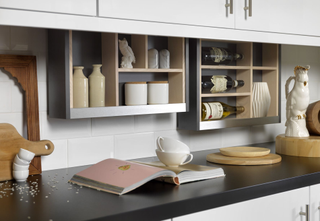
(156, 122)
(84, 151)
(18, 98)
(307, 55)
(112, 125)
(131, 146)
(4, 38)
(58, 158)
(203, 140)
(289, 53)
(16, 119)
(5, 97)
(42, 94)
(52, 128)
(4, 75)
(41, 66)
(20, 39)
(236, 136)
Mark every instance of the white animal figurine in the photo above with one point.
(297, 103)
(128, 57)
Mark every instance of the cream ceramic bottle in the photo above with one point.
(80, 88)
(97, 87)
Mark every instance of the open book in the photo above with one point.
(119, 177)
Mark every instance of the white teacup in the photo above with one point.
(173, 159)
(20, 175)
(18, 167)
(25, 154)
(19, 161)
(166, 144)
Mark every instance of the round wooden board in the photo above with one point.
(298, 146)
(219, 158)
(244, 151)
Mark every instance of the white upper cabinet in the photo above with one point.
(211, 13)
(285, 16)
(78, 7)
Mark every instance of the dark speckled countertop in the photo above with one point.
(50, 197)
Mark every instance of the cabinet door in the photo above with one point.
(315, 202)
(285, 16)
(202, 12)
(80, 7)
(281, 206)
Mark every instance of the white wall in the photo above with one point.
(87, 141)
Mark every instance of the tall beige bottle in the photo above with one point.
(80, 88)
(97, 87)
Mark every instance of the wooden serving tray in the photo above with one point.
(11, 142)
(219, 158)
(244, 151)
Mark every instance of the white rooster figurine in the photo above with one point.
(297, 103)
(128, 57)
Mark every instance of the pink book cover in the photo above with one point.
(114, 172)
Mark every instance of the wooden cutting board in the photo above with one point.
(11, 142)
(221, 159)
(244, 151)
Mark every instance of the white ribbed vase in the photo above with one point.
(261, 99)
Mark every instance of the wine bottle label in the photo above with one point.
(215, 111)
(218, 54)
(208, 111)
(219, 83)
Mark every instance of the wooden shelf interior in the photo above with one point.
(103, 48)
(260, 64)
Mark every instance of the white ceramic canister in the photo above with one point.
(97, 87)
(153, 58)
(158, 92)
(80, 88)
(164, 57)
(136, 93)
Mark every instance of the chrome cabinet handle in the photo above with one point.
(306, 213)
(249, 7)
(229, 5)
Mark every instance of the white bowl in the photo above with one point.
(18, 167)
(167, 144)
(19, 161)
(21, 175)
(26, 154)
(173, 159)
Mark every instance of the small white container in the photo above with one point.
(20, 175)
(158, 92)
(19, 161)
(153, 59)
(25, 154)
(17, 167)
(136, 93)
(164, 58)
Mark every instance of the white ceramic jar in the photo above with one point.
(153, 58)
(164, 57)
(158, 92)
(96, 87)
(136, 93)
(80, 88)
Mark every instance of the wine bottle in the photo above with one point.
(217, 56)
(218, 110)
(219, 83)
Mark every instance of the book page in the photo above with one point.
(118, 172)
(179, 169)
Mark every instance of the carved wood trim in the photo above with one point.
(24, 69)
